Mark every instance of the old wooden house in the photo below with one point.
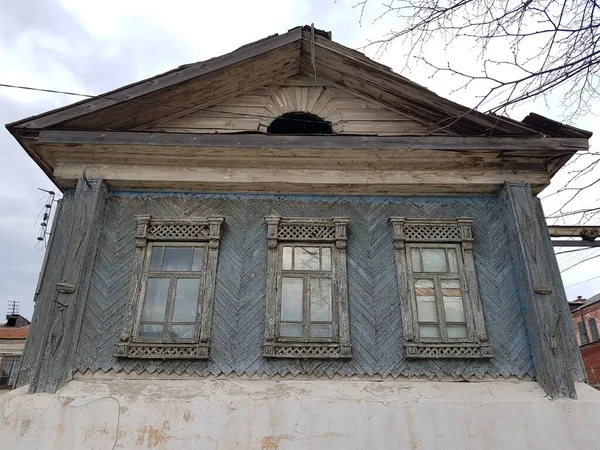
(292, 246)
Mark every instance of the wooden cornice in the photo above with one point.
(297, 164)
(523, 146)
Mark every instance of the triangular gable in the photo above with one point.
(198, 86)
(253, 112)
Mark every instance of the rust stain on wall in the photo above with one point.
(153, 436)
(272, 442)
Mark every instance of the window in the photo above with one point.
(299, 123)
(593, 329)
(9, 369)
(583, 333)
(307, 303)
(441, 310)
(172, 294)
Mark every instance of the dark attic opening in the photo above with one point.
(299, 123)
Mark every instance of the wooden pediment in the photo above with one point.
(263, 64)
(347, 112)
(205, 126)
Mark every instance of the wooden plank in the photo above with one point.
(546, 312)
(590, 232)
(391, 127)
(195, 94)
(521, 146)
(295, 180)
(377, 160)
(354, 70)
(575, 243)
(153, 84)
(225, 122)
(64, 310)
(316, 176)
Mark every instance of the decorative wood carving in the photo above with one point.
(439, 231)
(309, 231)
(149, 229)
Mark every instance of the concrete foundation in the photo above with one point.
(298, 414)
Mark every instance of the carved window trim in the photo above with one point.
(301, 231)
(156, 231)
(442, 233)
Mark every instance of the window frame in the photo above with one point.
(439, 233)
(173, 276)
(14, 370)
(306, 276)
(305, 232)
(593, 329)
(583, 336)
(169, 232)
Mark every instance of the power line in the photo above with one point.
(183, 108)
(581, 282)
(580, 262)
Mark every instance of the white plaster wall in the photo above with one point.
(298, 414)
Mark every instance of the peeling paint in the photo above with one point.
(272, 442)
(153, 436)
(231, 413)
(187, 416)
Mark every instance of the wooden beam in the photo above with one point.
(578, 243)
(522, 146)
(555, 354)
(587, 233)
(295, 180)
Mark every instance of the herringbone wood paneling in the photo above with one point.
(239, 307)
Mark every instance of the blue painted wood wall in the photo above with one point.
(239, 308)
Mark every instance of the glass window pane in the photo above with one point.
(291, 299)
(416, 260)
(156, 258)
(452, 260)
(453, 303)
(429, 331)
(177, 258)
(286, 263)
(306, 258)
(15, 371)
(186, 300)
(291, 329)
(320, 299)
(5, 373)
(457, 331)
(326, 259)
(198, 258)
(155, 300)
(426, 307)
(434, 259)
(151, 331)
(182, 331)
(321, 330)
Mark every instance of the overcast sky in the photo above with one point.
(93, 47)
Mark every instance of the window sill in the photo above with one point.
(304, 350)
(161, 351)
(448, 350)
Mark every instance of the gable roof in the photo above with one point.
(195, 86)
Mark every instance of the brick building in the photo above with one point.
(12, 342)
(586, 318)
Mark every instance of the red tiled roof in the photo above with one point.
(13, 333)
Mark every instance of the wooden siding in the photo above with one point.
(254, 111)
(239, 308)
